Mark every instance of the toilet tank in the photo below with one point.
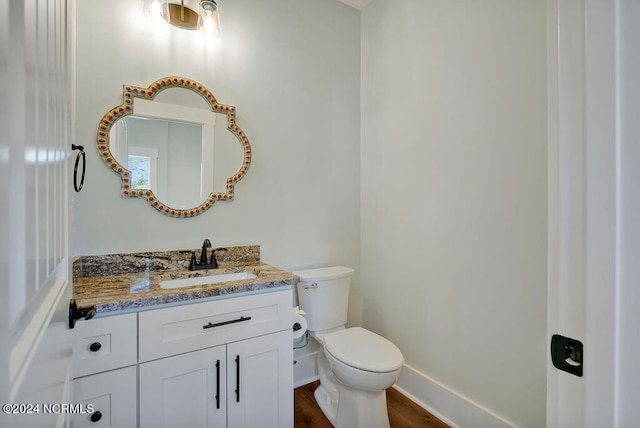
(323, 294)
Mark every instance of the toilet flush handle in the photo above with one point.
(310, 285)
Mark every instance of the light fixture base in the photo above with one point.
(182, 17)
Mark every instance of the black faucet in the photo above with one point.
(203, 255)
(204, 262)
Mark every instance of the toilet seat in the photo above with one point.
(363, 350)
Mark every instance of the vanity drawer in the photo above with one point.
(179, 329)
(113, 396)
(102, 344)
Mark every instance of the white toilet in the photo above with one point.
(354, 364)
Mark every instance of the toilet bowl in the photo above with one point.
(355, 365)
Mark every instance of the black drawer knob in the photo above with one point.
(95, 346)
(96, 416)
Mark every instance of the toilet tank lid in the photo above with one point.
(325, 273)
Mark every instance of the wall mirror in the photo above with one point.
(173, 144)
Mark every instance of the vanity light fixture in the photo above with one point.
(201, 15)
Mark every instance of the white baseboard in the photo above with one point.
(447, 405)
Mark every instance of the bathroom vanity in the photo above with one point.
(214, 354)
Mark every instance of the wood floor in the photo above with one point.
(403, 413)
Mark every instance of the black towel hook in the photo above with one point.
(75, 168)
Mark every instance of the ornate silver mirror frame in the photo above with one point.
(126, 108)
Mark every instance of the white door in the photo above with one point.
(186, 390)
(35, 139)
(583, 207)
(260, 382)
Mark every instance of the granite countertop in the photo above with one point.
(132, 281)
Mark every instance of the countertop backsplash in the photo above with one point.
(126, 263)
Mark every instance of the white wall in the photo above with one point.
(292, 70)
(453, 194)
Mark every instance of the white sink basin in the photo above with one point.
(202, 280)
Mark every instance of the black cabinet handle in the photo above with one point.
(218, 384)
(95, 346)
(96, 416)
(237, 378)
(218, 324)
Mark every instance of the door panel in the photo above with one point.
(583, 207)
(264, 379)
(35, 141)
(182, 391)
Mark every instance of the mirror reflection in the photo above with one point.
(179, 149)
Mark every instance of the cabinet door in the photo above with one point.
(112, 395)
(260, 382)
(185, 390)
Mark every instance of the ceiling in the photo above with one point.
(356, 4)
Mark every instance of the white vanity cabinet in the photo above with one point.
(220, 363)
(104, 367)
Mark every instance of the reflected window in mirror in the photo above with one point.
(143, 164)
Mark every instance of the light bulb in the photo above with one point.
(210, 19)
